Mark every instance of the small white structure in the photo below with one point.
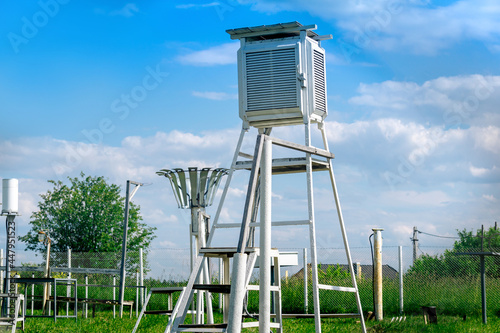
(10, 200)
(281, 74)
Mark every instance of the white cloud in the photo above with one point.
(415, 26)
(129, 10)
(214, 95)
(487, 138)
(217, 55)
(478, 172)
(448, 101)
(196, 6)
(490, 197)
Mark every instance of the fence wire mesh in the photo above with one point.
(449, 281)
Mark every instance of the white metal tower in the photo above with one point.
(282, 82)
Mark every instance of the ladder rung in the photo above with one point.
(214, 288)
(257, 224)
(328, 287)
(287, 165)
(202, 328)
(224, 251)
(322, 315)
(165, 290)
(250, 324)
(256, 287)
(158, 312)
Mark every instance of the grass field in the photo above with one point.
(104, 322)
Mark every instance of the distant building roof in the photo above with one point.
(388, 272)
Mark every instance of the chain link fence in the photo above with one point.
(451, 282)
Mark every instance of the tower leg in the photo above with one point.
(265, 239)
(312, 232)
(342, 227)
(226, 186)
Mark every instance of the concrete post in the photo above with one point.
(377, 277)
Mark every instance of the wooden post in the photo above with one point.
(377, 277)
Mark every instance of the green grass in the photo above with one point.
(104, 322)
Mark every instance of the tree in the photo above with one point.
(86, 216)
(452, 263)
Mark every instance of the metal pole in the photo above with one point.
(401, 303)
(128, 197)
(32, 295)
(114, 296)
(306, 305)
(377, 253)
(483, 278)
(1, 272)
(87, 295)
(415, 244)
(265, 238)
(10, 227)
(46, 287)
(68, 288)
(312, 232)
(321, 127)
(137, 293)
(221, 281)
(141, 268)
(124, 249)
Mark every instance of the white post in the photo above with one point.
(114, 296)
(401, 304)
(1, 272)
(377, 277)
(306, 305)
(265, 238)
(68, 287)
(87, 295)
(221, 281)
(137, 293)
(141, 272)
(32, 294)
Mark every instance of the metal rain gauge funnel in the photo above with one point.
(195, 189)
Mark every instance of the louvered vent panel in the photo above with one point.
(319, 81)
(271, 80)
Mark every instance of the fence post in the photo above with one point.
(86, 295)
(114, 295)
(377, 277)
(137, 293)
(1, 272)
(32, 294)
(221, 281)
(401, 303)
(141, 264)
(306, 305)
(68, 288)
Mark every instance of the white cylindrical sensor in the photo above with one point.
(10, 199)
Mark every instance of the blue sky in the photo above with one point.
(123, 89)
